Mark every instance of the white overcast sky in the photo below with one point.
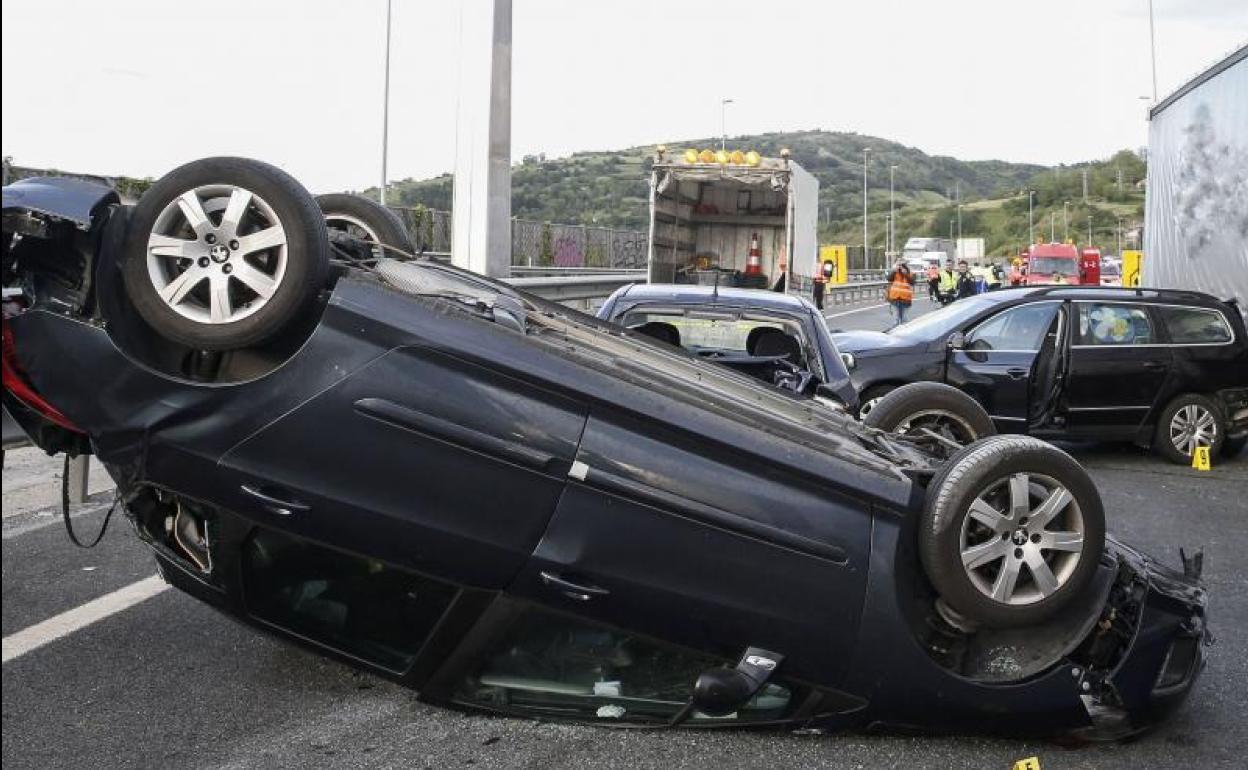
(139, 86)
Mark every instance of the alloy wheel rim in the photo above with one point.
(1191, 427)
(356, 228)
(217, 254)
(1022, 538)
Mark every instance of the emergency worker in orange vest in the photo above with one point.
(1016, 274)
(933, 282)
(900, 291)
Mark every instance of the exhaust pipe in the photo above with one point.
(191, 534)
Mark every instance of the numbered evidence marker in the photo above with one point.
(1030, 763)
(1200, 458)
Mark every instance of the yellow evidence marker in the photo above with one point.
(1030, 763)
(1200, 458)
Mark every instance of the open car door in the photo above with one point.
(1009, 362)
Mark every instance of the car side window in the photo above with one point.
(1194, 326)
(1018, 328)
(1114, 324)
(553, 664)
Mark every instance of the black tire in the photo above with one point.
(364, 218)
(934, 405)
(1201, 405)
(982, 468)
(275, 195)
(871, 394)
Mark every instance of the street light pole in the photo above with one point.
(1118, 233)
(1065, 220)
(723, 124)
(957, 195)
(866, 249)
(892, 215)
(1089, 231)
(1152, 48)
(385, 111)
(1031, 223)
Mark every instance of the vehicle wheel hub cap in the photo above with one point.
(217, 254)
(1022, 538)
(1191, 427)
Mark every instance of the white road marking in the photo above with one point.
(856, 310)
(58, 626)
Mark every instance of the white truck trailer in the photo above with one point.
(706, 216)
(1196, 207)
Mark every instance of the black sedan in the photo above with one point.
(1159, 367)
(510, 506)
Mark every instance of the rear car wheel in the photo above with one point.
(919, 407)
(359, 223)
(1012, 530)
(1189, 421)
(223, 253)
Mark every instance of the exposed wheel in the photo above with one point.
(870, 397)
(919, 407)
(1189, 421)
(223, 253)
(365, 221)
(1012, 530)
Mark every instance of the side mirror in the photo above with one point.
(721, 691)
(957, 341)
(849, 361)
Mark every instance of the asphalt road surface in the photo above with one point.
(157, 679)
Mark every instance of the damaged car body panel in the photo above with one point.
(510, 506)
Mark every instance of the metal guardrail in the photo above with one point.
(856, 291)
(567, 288)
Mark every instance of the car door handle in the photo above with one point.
(1155, 366)
(578, 591)
(275, 504)
(1016, 373)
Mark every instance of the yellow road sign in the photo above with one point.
(1030, 763)
(1132, 264)
(1200, 458)
(837, 255)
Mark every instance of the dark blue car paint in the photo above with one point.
(414, 432)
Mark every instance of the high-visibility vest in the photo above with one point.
(948, 282)
(900, 288)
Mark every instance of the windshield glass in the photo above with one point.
(1052, 265)
(944, 320)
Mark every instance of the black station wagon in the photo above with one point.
(1158, 367)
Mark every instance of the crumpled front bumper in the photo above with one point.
(1166, 651)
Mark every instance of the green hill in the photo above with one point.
(609, 188)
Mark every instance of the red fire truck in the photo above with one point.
(1045, 262)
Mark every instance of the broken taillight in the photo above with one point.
(15, 383)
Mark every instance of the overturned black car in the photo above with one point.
(511, 506)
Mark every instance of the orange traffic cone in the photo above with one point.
(754, 260)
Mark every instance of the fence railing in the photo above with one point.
(538, 244)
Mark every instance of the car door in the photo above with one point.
(706, 544)
(1118, 365)
(999, 361)
(423, 459)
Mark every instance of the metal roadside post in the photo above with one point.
(76, 478)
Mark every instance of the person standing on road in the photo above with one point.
(948, 288)
(965, 284)
(933, 282)
(821, 281)
(900, 291)
(1016, 274)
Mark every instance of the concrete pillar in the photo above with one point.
(481, 235)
